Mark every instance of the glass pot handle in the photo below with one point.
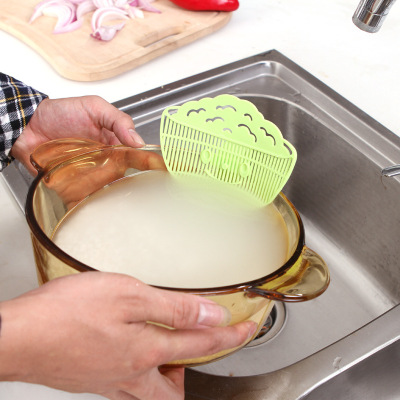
(306, 279)
(56, 151)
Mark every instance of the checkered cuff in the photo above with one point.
(18, 102)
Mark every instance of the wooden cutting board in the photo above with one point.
(77, 56)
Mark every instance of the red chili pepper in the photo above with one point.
(208, 5)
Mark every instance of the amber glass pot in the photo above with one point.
(69, 170)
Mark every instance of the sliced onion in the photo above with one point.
(135, 12)
(69, 27)
(39, 8)
(123, 4)
(83, 8)
(105, 14)
(146, 6)
(107, 33)
(103, 3)
(70, 13)
(65, 12)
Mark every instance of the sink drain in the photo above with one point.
(272, 326)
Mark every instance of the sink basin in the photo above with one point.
(376, 377)
(351, 219)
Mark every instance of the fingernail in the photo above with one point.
(212, 314)
(252, 329)
(136, 137)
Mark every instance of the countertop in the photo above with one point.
(320, 37)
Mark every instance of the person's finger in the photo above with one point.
(179, 344)
(174, 309)
(175, 375)
(121, 124)
(126, 133)
(109, 138)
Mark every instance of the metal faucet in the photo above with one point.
(370, 14)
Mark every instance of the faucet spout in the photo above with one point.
(370, 14)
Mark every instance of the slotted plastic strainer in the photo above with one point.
(228, 139)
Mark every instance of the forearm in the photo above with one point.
(18, 102)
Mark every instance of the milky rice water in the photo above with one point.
(192, 234)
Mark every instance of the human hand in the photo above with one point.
(88, 333)
(79, 117)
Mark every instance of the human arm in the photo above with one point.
(29, 118)
(18, 102)
(88, 333)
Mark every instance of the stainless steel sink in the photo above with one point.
(352, 219)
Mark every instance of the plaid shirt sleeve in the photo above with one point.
(18, 102)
